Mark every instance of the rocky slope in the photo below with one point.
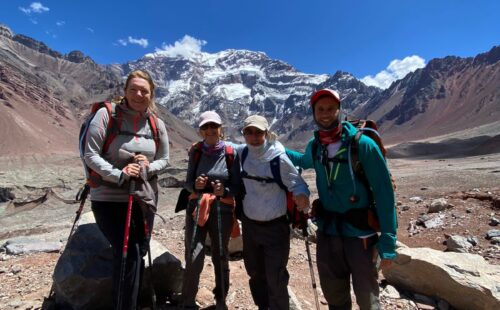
(44, 97)
(448, 95)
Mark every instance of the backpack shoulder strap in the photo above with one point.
(153, 121)
(315, 145)
(196, 149)
(275, 170)
(244, 155)
(114, 122)
(355, 162)
(229, 155)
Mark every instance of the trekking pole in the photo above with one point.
(147, 233)
(221, 250)
(311, 270)
(125, 243)
(195, 227)
(81, 196)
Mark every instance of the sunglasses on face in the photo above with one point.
(253, 132)
(210, 125)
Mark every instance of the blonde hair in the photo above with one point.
(271, 136)
(145, 76)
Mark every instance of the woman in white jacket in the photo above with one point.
(266, 233)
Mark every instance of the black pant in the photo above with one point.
(266, 247)
(195, 252)
(110, 217)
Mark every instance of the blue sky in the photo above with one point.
(375, 40)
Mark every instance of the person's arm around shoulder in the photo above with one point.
(303, 160)
(238, 147)
(161, 158)
(235, 181)
(294, 182)
(379, 178)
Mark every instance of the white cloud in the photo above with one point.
(49, 33)
(90, 29)
(186, 47)
(34, 21)
(124, 42)
(35, 7)
(142, 42)
(396, 70)
(60, 23)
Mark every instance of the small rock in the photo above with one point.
(458, 244)
(495, 240)
(468, 210)
(494, 221)
(438, 205)
(492, 233)
(423, 188)
(16, 269)
(416, 199)
(405, 208)
(472, 240)
(430, 221)
(391, 292)
(3, 270)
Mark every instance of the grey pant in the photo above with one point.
(265, 252)
(194, 266)
(340, 257)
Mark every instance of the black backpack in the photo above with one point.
(296, 218)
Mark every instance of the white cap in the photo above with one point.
(209, 117)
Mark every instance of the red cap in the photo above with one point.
(325, 92)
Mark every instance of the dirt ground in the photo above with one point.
(471, 185)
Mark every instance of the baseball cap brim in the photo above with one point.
(325, 92)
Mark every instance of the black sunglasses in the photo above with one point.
(210, 125)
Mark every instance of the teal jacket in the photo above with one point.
(336, 188)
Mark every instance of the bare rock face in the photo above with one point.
(82, 276)
(465, 281)
(36, 45)
(77, 57)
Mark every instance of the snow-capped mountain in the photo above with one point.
(238, 83)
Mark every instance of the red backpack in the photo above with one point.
(93, 179)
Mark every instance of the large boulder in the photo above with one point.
(465, 281)
(82, 276)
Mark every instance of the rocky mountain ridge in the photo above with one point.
(238, 83)
(448, 95)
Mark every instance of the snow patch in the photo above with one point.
(232, 91)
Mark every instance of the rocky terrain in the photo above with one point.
(41, 192)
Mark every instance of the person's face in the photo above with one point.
(138, 94)
(211, 132)
(254, 136)
(326, 111)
